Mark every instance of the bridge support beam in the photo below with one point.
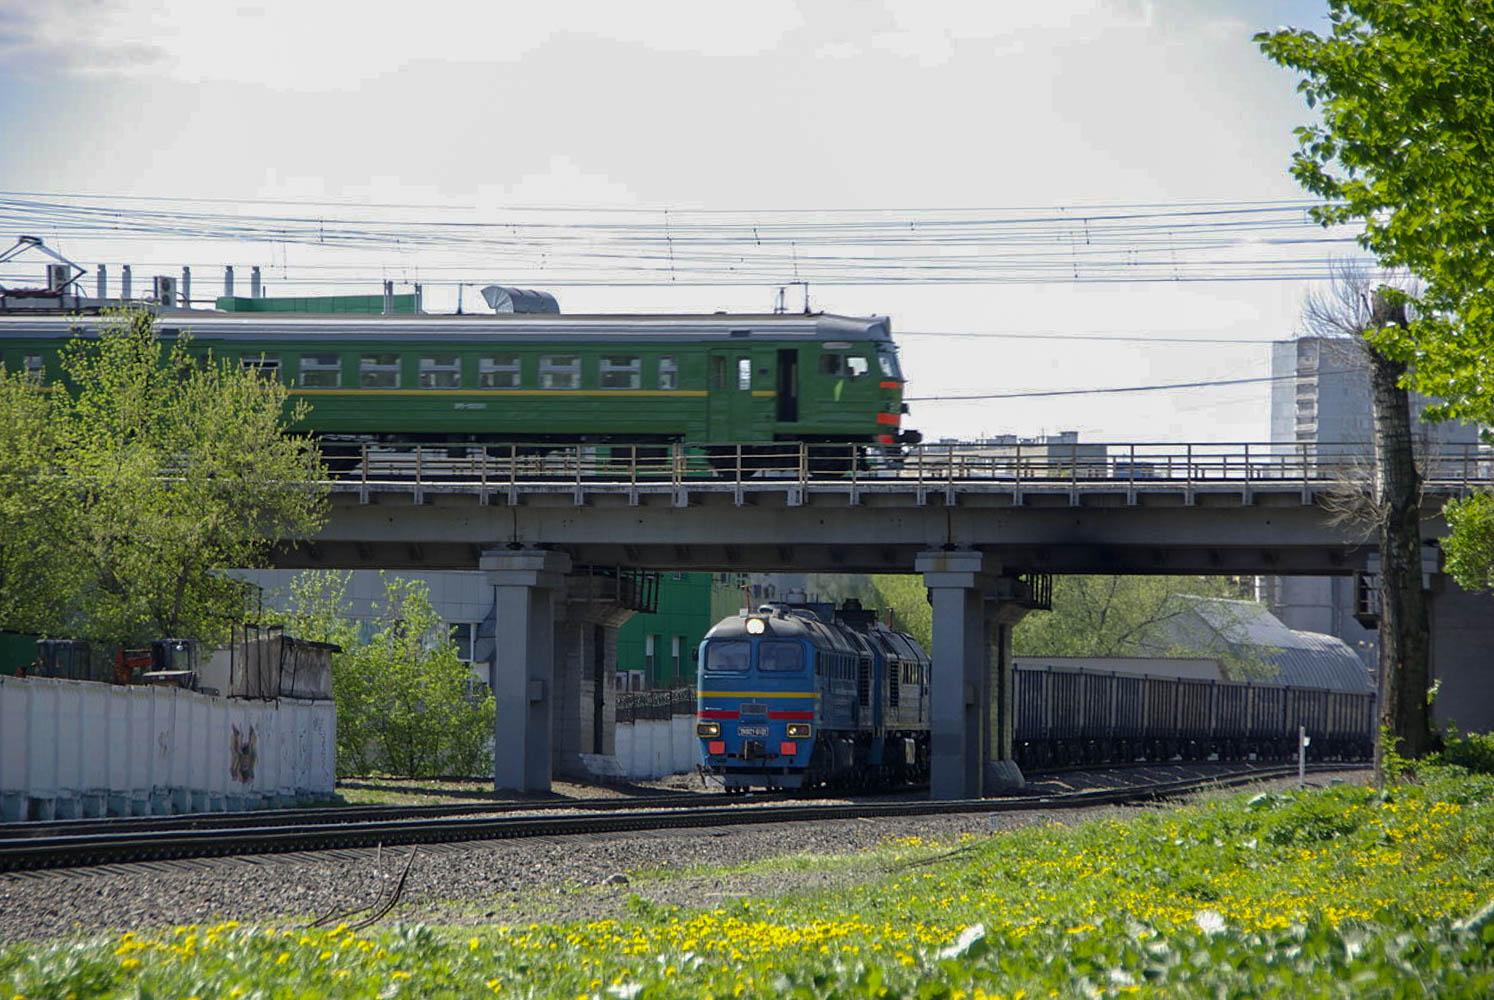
(1002, 772)
(960, 733)
(526, 584)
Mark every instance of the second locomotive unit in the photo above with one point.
(798, 696)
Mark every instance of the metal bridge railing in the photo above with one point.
(512, 468)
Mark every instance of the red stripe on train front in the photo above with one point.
(791, 715)
(719, 713)
(884, 439)
(890, 385)
(889, 418)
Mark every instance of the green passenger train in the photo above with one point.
(547, 379)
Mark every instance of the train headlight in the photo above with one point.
(756, 626)
(708, 730)
(799, 730)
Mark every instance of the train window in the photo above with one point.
(857, 365)
(888, 362)
(379, 371)
(669, 373)
(32, 367)
(440, 371)
(501, 371)
(560, 371)
(779, 656)
(321, 371)
(832, 364)
(727, 656)
(744, 373)
(620, 372)
(265, 365)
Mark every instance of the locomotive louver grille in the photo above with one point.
(754, 708)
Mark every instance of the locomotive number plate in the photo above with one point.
(752, 730)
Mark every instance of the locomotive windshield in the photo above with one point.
(780, 656)
(728, 656)
(887, 359)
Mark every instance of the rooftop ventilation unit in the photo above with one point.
(165, 290)
(519, 300)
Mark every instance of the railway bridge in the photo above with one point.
(972, 519)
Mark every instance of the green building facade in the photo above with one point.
(657, 651)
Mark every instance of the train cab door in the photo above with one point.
(730, 385)
(787, 386)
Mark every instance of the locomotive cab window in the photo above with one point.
(501, 371)
(620, 372)
(728, 656)
(887, 360)
(844, 365)
(378, 371)
(560, 371)
(321, 371)
(440, 371)
(780, 656)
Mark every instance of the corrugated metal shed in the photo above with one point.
(1302, 659)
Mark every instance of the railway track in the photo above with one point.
(82, 848)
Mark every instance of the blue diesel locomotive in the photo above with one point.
(803, 696)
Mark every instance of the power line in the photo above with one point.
(1126, 388)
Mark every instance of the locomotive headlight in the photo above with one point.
(799, 730)
(708, 730)
(756, 626)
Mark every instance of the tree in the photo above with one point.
(35, 582)
(1403, 149)
(405, 702)
(157, 471)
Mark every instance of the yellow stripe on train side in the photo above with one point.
(437, 394)
(759, 694)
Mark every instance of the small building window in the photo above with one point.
(379, 371)
(462, 635)
(264, 365)
(669, 373)
(501, 371)
(440, 371)
(560, 371)
(321, 371)
(620, 372)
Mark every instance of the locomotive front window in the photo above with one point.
(888, 362)
(560, 371)
(780, 656)
(379, 371)
(498, 372)
(321, 371)
(669, 373)
(620, 372)
(440, 371)
(728, 656)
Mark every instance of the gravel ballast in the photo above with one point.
(494, 882)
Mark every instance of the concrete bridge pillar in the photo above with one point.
(960, 723)
(1002, 772)
(526, 584)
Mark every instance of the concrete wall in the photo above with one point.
(1462, 656)
(78, 748)
(653, 748)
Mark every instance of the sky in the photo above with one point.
(660, 113)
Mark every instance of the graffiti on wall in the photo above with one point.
(242, 754)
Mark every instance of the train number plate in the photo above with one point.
(752, 730)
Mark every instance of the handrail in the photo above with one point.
(1018, 467)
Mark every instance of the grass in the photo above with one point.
(1341, 892)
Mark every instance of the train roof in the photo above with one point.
(642, 328)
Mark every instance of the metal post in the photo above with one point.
(419, 298)
(228, 281)
(186, 290)
(124, 278)
(1302, 742)
(388, 298)
(256, 290)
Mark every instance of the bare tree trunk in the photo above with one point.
(1404, 628)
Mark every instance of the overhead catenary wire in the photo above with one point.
(1156, 387)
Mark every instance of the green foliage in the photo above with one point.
(1474, 751)
(152, 474)
(405, 702)
(1394, 767)
(1345, 892)
(34, 514)
(1470, 547)
(908, 599)
(1403, 146)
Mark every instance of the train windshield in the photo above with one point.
(887, 359)
(780, 656)
(727, 656)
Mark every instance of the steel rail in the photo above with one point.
(104, 848)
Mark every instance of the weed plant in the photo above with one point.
(1348, 891)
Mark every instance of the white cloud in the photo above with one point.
(296, 45)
